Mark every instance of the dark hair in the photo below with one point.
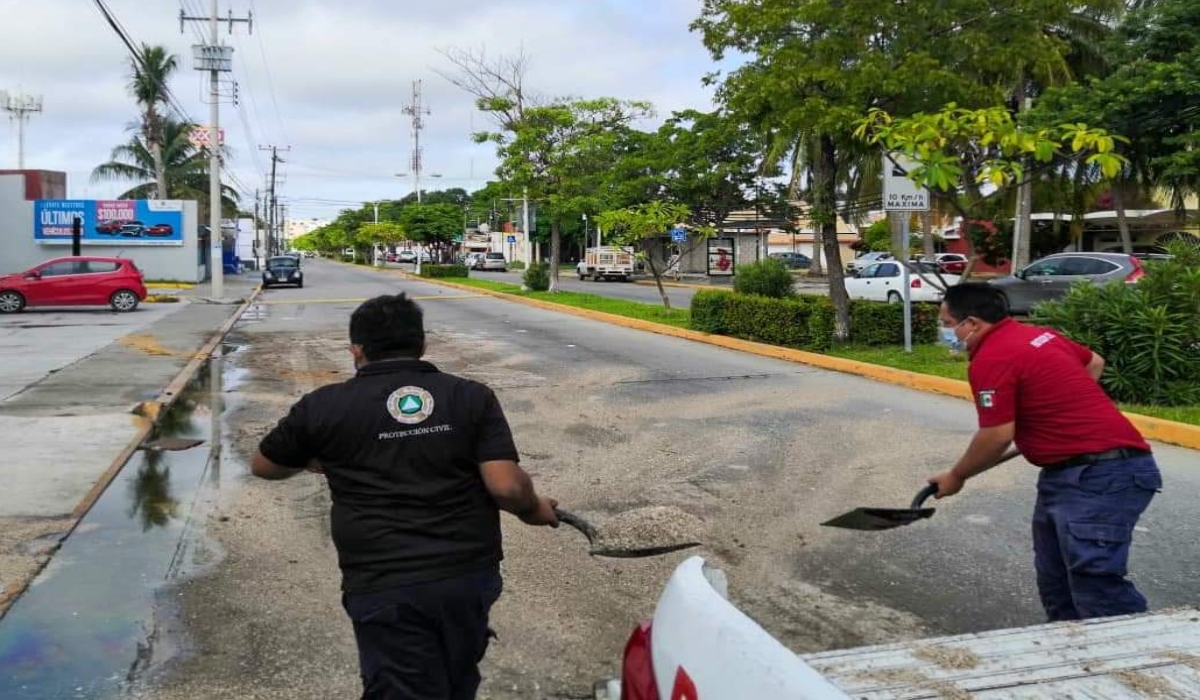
(983, 301)
(388, 326)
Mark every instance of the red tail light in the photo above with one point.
(1138, 271)
(916, 283)
(637, 668)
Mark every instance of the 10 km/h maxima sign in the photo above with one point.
(899, 192)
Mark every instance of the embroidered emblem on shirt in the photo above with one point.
(410, 405)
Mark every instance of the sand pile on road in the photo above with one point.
(649, 528)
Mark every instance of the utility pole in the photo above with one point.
(20, 107)
(216, 59)
(525, 219)
(272, 199)
(257, 228)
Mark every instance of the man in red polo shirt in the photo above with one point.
(1034, 387)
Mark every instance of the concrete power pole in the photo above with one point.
(20, 107)
(272, 199)
(215, 59)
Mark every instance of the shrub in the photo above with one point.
(806, 322)
(1148, 332)
(873, 323)
(708, 310)
(767, 278)
(438, 271)
(537, 277)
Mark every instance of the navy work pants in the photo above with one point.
(424, 642)
(1082, 529)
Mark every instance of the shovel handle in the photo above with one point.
(923, 495)
(931, 489)
(575, 521)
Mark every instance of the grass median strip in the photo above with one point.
(680, 318)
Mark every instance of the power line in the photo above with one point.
(270, 80)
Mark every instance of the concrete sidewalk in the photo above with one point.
(70, 382)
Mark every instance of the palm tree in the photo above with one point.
(148, 84)
(185, 168)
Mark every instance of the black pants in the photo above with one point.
(424, 642)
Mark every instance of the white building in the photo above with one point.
(294, 228)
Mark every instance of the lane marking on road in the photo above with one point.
(359, 300)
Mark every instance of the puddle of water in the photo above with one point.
(96, 618)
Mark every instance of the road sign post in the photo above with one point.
(903, 196)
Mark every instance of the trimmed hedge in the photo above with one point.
(438, 271)
(768, 278)
(806, 322)
(537, 277)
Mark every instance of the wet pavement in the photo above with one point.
(101, 615)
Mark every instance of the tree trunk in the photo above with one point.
(160, 170)
(927, 235)
(555, 254)
(1122, 220)
(658, 280)
(825, 189)
(817, 268)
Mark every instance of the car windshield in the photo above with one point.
(281, 262)
(495, 256)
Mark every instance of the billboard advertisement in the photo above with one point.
(121, 222)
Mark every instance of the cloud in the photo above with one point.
(341, 72)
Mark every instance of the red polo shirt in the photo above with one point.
(1039, 379)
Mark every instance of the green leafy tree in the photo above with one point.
(186, 169)
(647, 227)
(433, 225)
(148, 84)
(559, 152)
(959, 150)
(815, 67)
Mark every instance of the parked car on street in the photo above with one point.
(794, 261)
(952, 263)
(474, 261)
(161, 230)
(866, 259)
(282, 269)
(309, 254)
(494, 262)
(75, 281)
(407, 256)
(1050, 277)
(884, 281)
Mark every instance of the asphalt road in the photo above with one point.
(609, 418)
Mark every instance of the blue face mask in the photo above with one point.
(951, 340)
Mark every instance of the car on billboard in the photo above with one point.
(161, 230)
(112, 228)
(75, 281)
(133, 229)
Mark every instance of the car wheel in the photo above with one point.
(299, 285)
(11, 302)
(123, 301)
(894, 298)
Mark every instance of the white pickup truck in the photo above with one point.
(606, 262)
(700, 647)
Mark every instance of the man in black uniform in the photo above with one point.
(419, 464)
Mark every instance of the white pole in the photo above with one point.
(374, 244)
(217, 247)
(525, 219)
(20, 141)
(905, 239)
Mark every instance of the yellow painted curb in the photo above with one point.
(1156, 429)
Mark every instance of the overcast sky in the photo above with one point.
(341, 71)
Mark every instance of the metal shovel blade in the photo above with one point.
(599, 550)
(885, 518)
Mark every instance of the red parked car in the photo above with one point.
(81, 281)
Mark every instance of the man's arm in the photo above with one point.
(264, 468)
(986, 450)
(1095, 366)
(512, 489)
